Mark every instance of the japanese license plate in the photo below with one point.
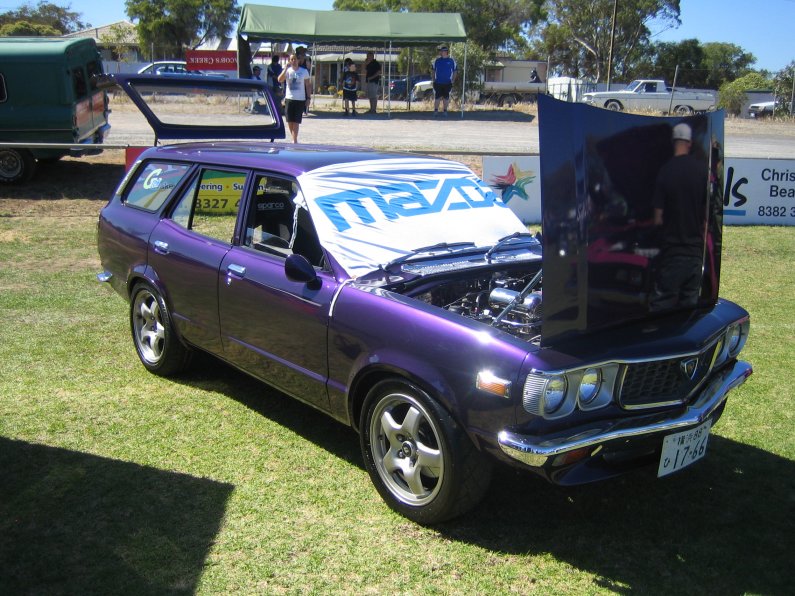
(684, 448)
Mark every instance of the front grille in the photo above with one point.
(663, 382)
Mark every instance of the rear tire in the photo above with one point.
(155, 339)
(16, 165)
(421, 461)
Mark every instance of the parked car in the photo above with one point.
(399, 88)
(175, 68)
(399, 295)
(761, 109)
(49, 94)
(653, 95)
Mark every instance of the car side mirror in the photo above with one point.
(299, 269)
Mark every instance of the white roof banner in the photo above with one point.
(371, 212)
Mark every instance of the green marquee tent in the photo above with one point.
(260, 23)
(274, 23)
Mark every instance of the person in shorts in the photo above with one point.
(444, 71)
(296, 92)
(350, 88)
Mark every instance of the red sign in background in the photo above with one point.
(211, 59)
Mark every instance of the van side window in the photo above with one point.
(3, 93)
(154, 183)
(79, 83)
(94, 70)
(209, 206)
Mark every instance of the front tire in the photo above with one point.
(683, 111)
(421, 461)
(614, 106)
(156, 342)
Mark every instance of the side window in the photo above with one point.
(79, 83)
(270, 220)
(154, 183)
(210, 204)
(94, 69)
(3, 93)
(278, 222)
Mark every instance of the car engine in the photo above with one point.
(510, 301)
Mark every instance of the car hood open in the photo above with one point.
(602, 251)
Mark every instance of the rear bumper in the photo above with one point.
(538, 452)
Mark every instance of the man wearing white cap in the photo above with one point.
(680, 204)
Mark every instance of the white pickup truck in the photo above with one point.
(652, 95)
(504, 82)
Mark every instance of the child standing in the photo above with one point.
(350, 88)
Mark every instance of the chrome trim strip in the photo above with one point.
(531, 451)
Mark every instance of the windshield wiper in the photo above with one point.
(505, 240)
(425, 249)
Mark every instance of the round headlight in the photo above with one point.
(590, 384)
(733, 339)
(555, 394)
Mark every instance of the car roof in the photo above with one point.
(289, 159)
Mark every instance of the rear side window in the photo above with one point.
(79, 83)
(209, 206)
(154, 183)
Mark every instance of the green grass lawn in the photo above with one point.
(114, 480)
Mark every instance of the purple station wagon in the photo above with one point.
(401, 296)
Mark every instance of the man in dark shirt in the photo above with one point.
(680, 202)
(372, 78)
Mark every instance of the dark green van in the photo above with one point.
(49, 94)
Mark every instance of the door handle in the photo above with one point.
(238, 270)
(161, 247)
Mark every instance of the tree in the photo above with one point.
(784, 88)
(725, 62)
(27, 29)
(580, 32)
(688, 55)
(489, 23)
(175, 25)
(732, 95)
(46, 14)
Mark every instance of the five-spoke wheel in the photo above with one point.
(158, 347)
(422, 463)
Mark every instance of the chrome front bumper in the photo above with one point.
(536, 451)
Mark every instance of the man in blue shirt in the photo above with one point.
(444, 71)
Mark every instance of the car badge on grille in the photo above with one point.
(689, 367)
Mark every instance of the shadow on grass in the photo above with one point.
(726, 525)
(68, 179)
(72, 523)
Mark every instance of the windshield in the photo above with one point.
(371, 213)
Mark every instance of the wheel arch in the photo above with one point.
(370, 376)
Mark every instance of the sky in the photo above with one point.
(763, 28)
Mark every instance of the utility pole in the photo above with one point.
(612, 39)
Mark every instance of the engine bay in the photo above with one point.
(508, 300)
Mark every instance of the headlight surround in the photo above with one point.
(733, 341)
(590, 385)
(558, 394)
(737, 337)
(555, 393)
